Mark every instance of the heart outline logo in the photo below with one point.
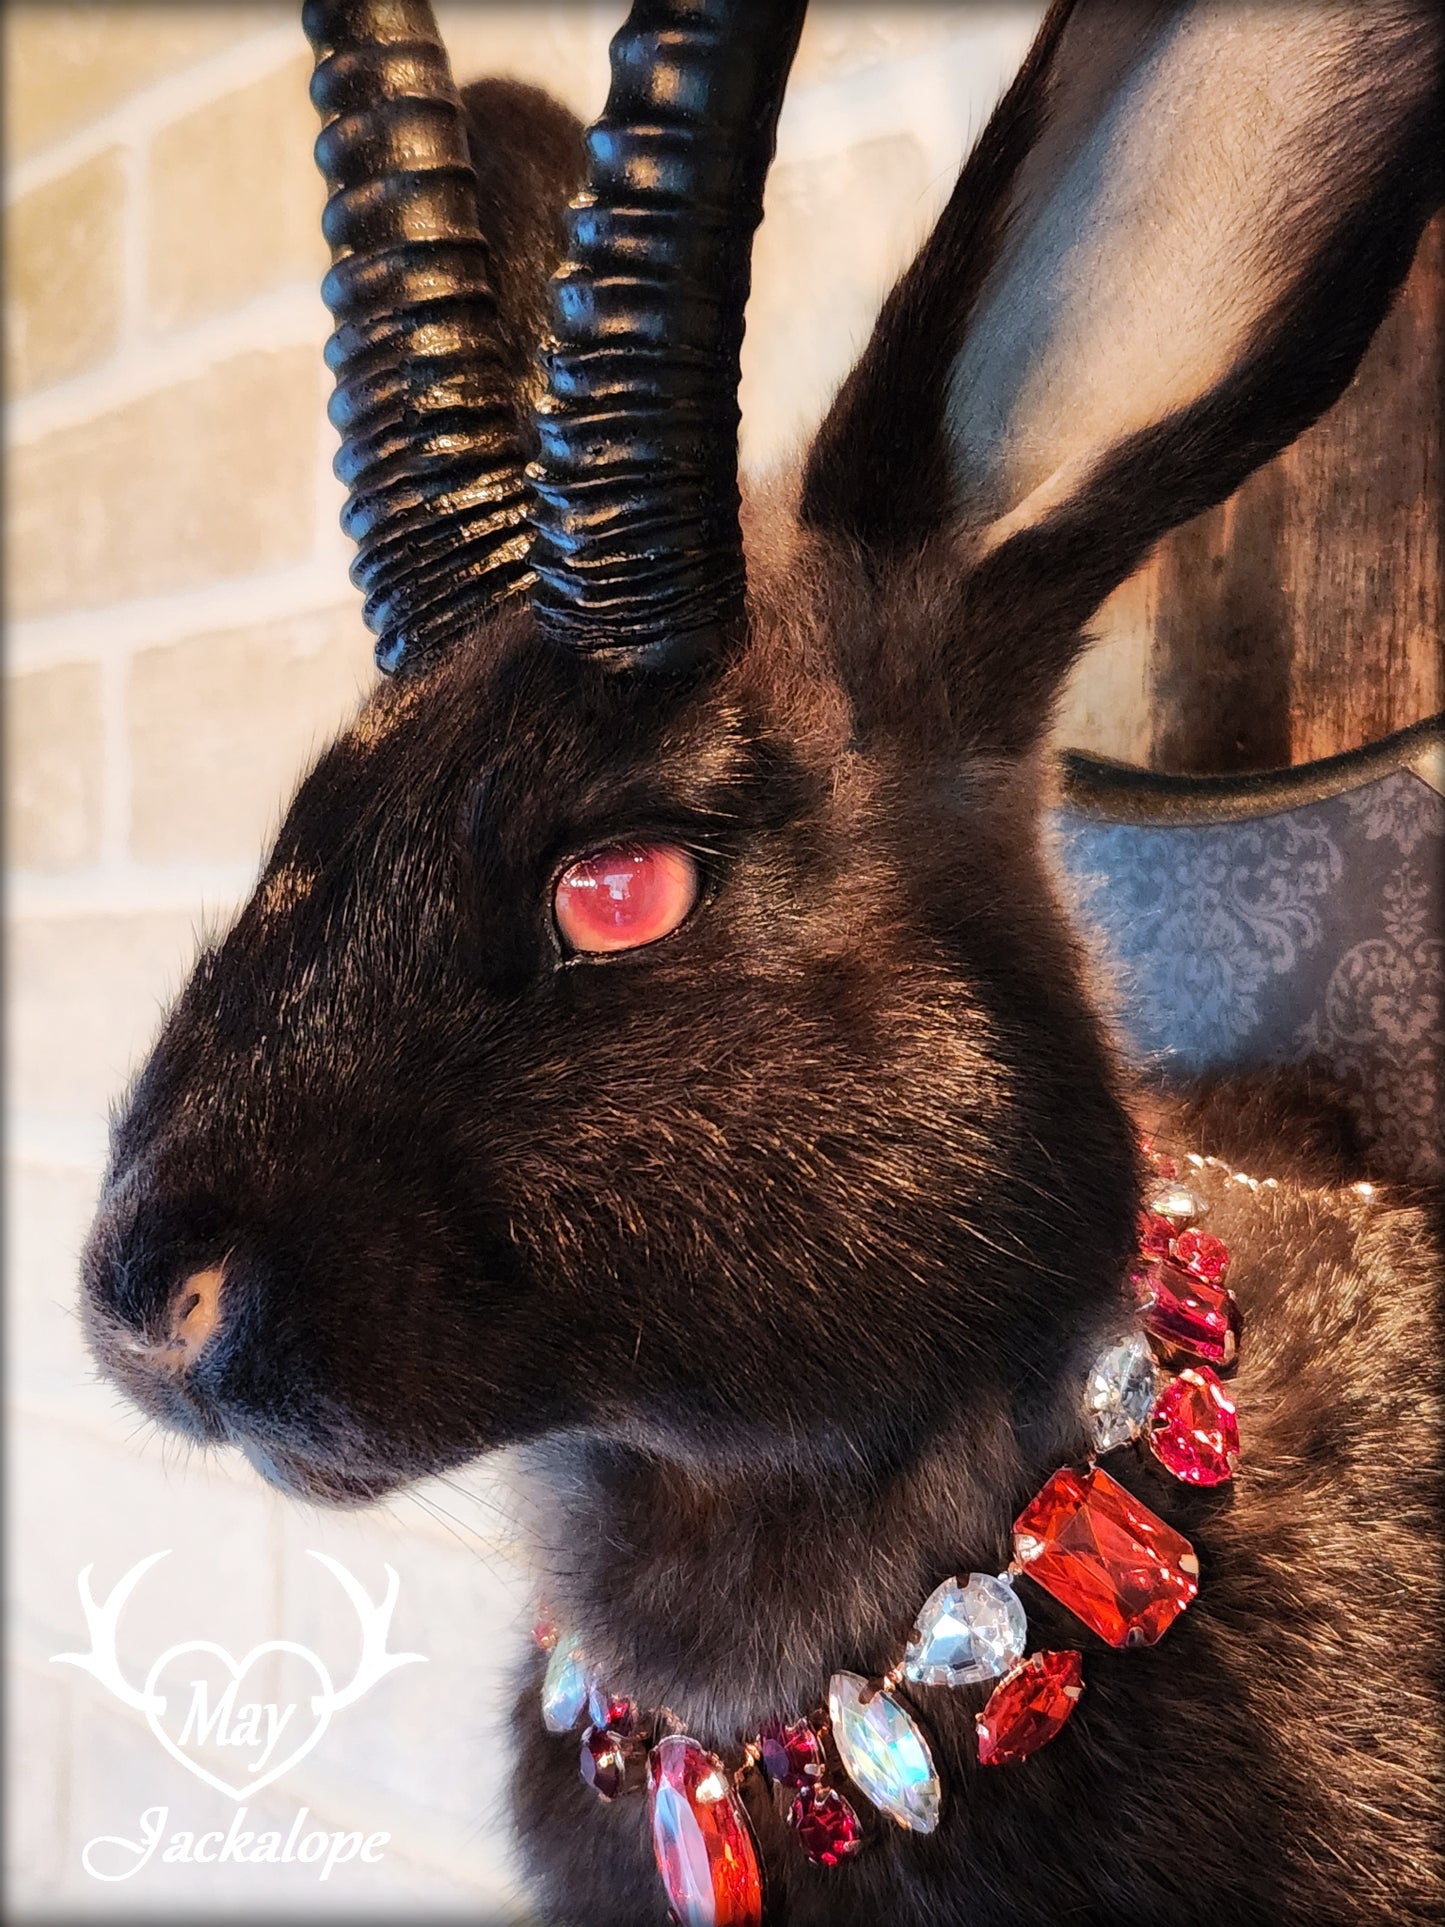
(321, 1707)
(102, 1662)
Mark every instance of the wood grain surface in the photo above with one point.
(1304, 615)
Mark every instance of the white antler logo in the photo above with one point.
(267, 1731)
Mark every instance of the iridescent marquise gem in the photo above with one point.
(1120, 1569)
(701, 1838)
(1188, 1316)
(966, 1633)
(1194, 1429)
(1028, 1708)
(564, 1684)
(884, 1752)
(1120, 1391)
(824, 1825)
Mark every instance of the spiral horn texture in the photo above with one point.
(638, 547)
(431, 452)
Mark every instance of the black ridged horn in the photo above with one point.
(431, 449)
(638, 546)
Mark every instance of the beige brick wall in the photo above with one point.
(181, 635)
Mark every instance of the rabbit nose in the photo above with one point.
(192, 1319)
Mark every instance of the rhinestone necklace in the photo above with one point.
(1083, 1537)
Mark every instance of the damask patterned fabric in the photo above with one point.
(1311, 933)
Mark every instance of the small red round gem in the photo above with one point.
(790, 1754)
(1156, 1234)
(544, 1632)
(1193, 1430)
(1203, 1254)
(608, 1710)
(1028, 1708)
(824, 1824)
(1166, 1167)
(603, 1763)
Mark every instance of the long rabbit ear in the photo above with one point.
(1163, 260)
(528, 157)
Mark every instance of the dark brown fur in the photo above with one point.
(780, 1247)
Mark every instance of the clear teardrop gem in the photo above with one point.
(884, 1752)
(967, 1633)
(1120, 1391)
(1178, 1204)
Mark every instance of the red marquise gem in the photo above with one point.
(1188, 1315)
(1156, 1234)
(1110, 1560)
(790, 1754)
(701, 1838)
(1193, 1430)
(544, 1632)
(1028, 1708)
(1203, 1254)
(825, 1826)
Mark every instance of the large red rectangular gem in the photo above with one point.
(1090, 1543)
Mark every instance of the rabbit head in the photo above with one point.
(655, 1019)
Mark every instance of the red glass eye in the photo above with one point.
(624, 897)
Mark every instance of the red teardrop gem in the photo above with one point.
(701, 1838)
(1203, 1254)
(1193, 1429)
(1028, 1708)
(1188, 1315)
(825, 1826)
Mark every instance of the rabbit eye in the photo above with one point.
(624, 897)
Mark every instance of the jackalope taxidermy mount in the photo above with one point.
(655, 1043)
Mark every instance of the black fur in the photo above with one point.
(526, 151)
(780, 1246)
